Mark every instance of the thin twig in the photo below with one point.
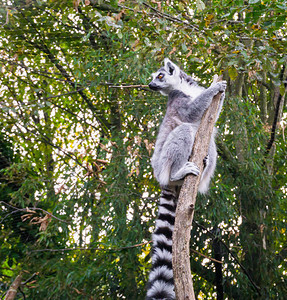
(169, 17)
(232, 254)
(92, 248)
(129, 86)
(32, 70)
(30, 278)
(46, 140)
(210, 258)
(116, 249)
(32, 208)
(65, 94)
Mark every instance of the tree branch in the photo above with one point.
(232, 291)
(280, 99)
(16, 209)
(217, 252)
(103, 6)
(171, 18)
(185, 207)
(205, 256)
(30, 278)
(127, 86)
(12, 292)
(55, 61)
(92, 248)
(64, 94)
(232, 254)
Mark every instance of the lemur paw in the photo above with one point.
(192, 168)
(221, 85)
(218, 86)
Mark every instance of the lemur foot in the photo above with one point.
(188, 168)
(193, 168)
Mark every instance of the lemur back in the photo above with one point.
(187, 101)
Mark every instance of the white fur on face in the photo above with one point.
(173, 81)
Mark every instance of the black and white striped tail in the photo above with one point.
(161, 284)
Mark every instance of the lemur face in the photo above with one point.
(166, 78)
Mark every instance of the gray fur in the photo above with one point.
(187, 101)
(186, 104)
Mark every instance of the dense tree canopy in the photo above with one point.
(78, 125)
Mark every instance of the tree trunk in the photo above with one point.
(185, 207)
(216, 247)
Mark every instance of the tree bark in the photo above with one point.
(12, 292)
(185, 207)
(217, 252)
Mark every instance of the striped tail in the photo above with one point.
(161, 284)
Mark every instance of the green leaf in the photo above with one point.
(76, 144)
(232, 72)
(200, 5)
(282, 89)
(183, 47)
(119, 34)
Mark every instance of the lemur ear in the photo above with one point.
(170, 67)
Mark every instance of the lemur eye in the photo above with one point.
(160, 76)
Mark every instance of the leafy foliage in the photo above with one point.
(78, 197)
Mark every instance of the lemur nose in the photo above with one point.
(153, 86)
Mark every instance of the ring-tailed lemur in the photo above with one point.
(187, 101)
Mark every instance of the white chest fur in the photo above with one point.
(192, 90)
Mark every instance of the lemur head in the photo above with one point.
(167, 78)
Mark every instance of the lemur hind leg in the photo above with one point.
(177, 150)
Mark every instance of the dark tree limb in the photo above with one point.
(232, 254)
(279, 101)
(171, 18)
(68, 78)
(185, 207)
(217, 251)
(103, 6)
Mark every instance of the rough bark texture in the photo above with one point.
(185, 207)
(12, 292)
